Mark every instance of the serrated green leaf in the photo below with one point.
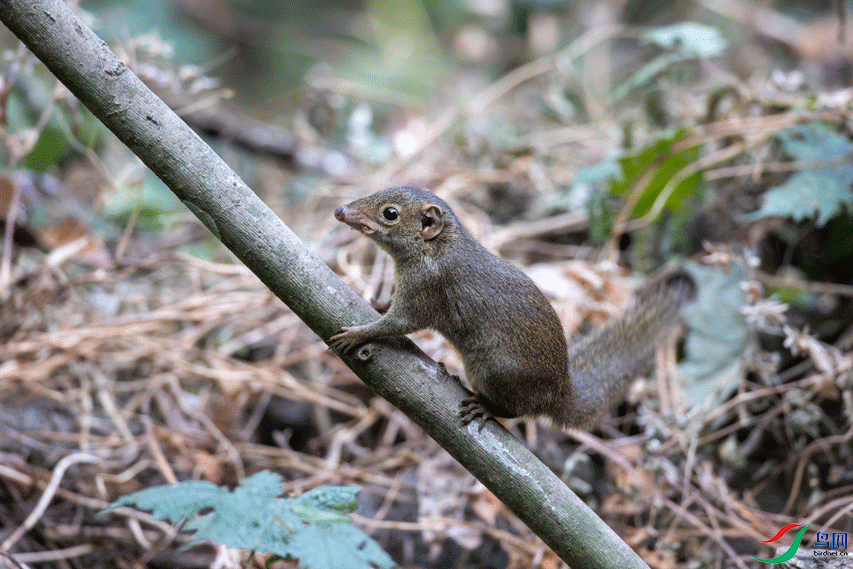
(311, 528)
(339, 546)
(645, 75)
(818, 193)
(327, 504)
(683, 42)
(599, 174)
(713, 363)
(174, 503)
(806, 195)
(153, 204)
(813, 141)
(689, 39)
(262, 486)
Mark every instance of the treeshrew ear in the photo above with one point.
(432, 222)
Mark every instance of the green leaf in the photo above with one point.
(604, 172)
(817, 193)
(806, 195)
(311, 528)
(589, 191)
(682, 42)
(338, 545)
(713, 364)
(154, 204)
(689, 39)
(666, 164)
(813, 141)
(645, 75)
(327, 504)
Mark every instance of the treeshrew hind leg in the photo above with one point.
(478, 405)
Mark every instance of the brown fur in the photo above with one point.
(509, 337)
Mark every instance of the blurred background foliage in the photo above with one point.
(591, 138)
(355, 84)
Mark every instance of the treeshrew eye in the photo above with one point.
(390, 213)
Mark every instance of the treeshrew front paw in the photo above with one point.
(348, 338)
